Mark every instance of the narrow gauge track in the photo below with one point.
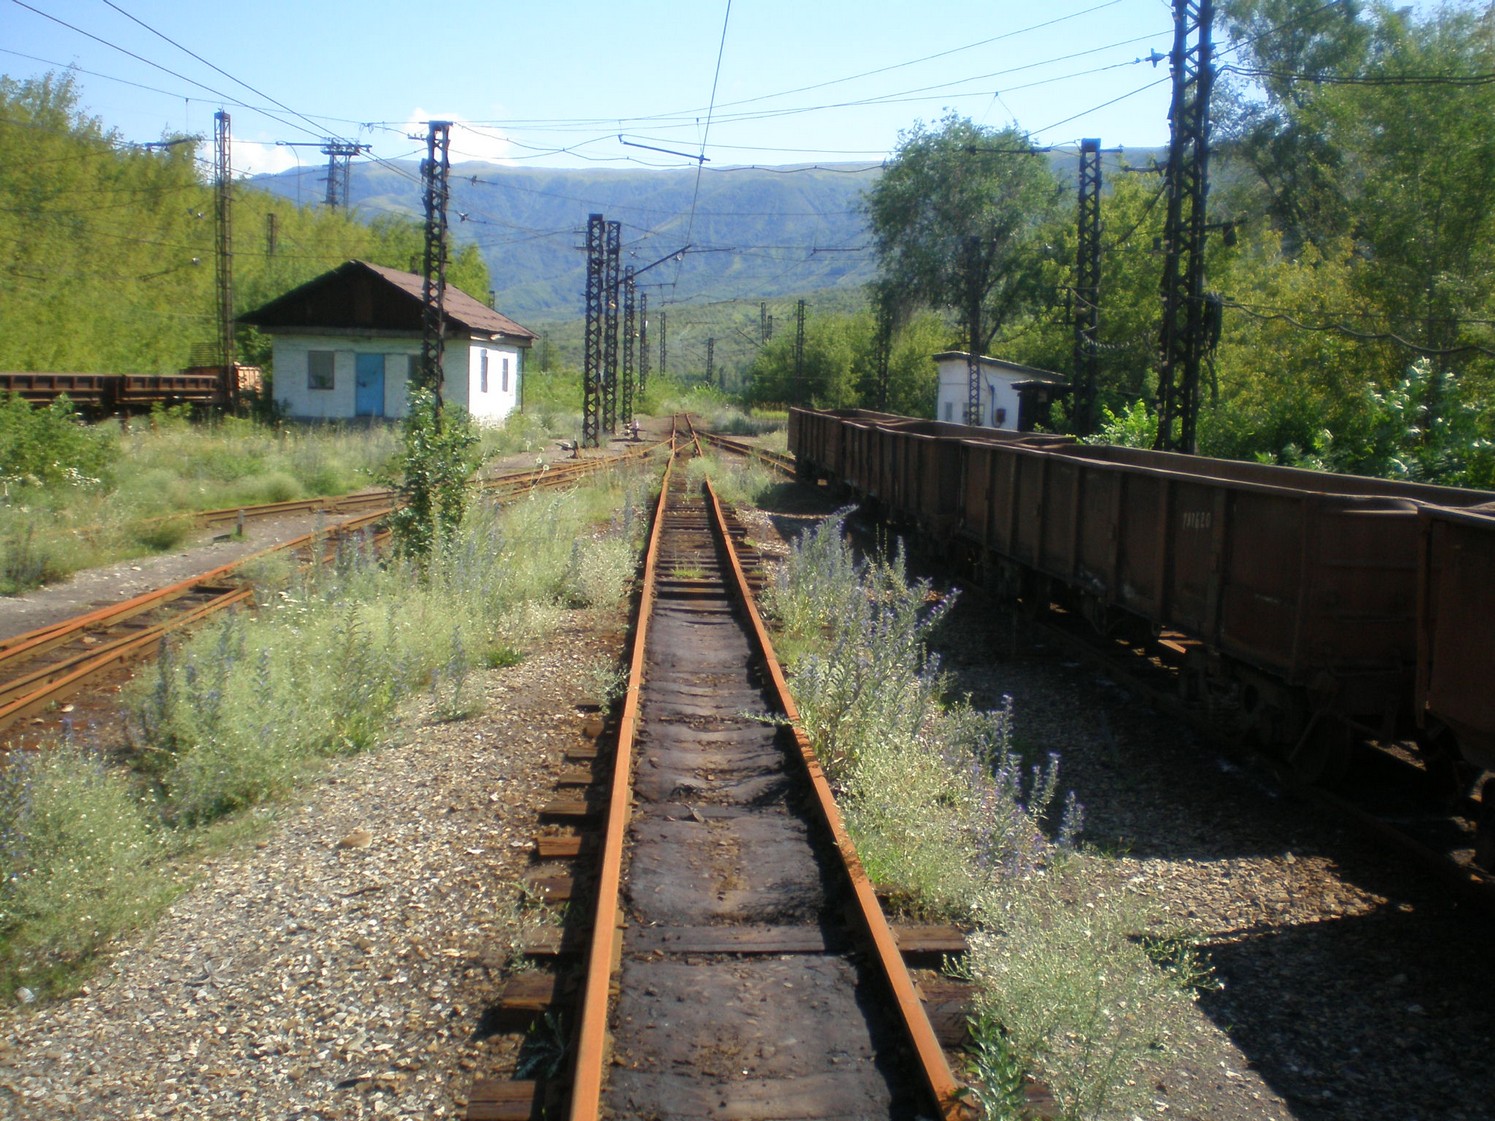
(44, 666)
(739, 965)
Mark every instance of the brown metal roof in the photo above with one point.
(360, 295)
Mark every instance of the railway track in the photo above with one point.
(780, 461)
(737, 963)
(45, 666)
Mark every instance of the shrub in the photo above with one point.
(80, 864)
(50, 447)
(1076, 996)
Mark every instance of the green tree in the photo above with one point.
(1373, 135)
(828, 371)
(107, 248)
(958, 221)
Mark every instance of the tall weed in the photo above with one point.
(946, 813)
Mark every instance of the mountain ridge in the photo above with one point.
(746, 233)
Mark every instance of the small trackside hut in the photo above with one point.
(1013, 397)
(346, 344)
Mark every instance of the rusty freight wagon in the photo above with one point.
(1291, 596)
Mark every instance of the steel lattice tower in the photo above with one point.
(435, 176)
(224, 260)
(643, 342)
(973, 325)
(610, 286)
(663, 354)
(1184, 333)
(591, 374)
(799, 354)
(1087, 288)
(711, 363)
(340, 155)
(630, 340)
(883, 351)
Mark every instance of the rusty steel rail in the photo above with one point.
(605, 949)
(780, 461)
(935, 1068)
(27, 691)
(607, 920)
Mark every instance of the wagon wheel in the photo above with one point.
(1450, 774)
(1484, 827)
(1322, 754)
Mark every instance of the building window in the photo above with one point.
(506, 375)
(483, 372)
(319, 369)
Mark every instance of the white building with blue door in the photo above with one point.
(347, 343)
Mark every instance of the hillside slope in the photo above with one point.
(749, 233)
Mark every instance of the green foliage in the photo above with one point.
(107, 249)
(1425, 428)
(957, 220)
(79, 864)
(441, 453)
(1078, 999)
(50, 447)
(225, 723)
(996, 1071)
(1382, 188)
(1135, 427)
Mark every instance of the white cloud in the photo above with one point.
(251, 158)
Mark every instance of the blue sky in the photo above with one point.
(558, 83)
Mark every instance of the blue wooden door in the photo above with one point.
(368, 385)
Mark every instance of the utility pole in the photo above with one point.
(643, 342)
(610, 328)
(224, 258)
(435, 178)
(1185, 323)
(272, 233)
(973, 324)
(883, 345)
(762, 323)
(711, 363)
(663, 324)
(630, 341)
(799, 353)
(591, 375)
(1087, 288)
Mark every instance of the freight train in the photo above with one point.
(111, 394)
(1304, 610)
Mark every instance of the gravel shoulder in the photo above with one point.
(340, 966)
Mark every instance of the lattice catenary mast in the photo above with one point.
(435, 176)
(591, 364)
(1185, 329)
(224, 257)
(630, 341)
(610, 283)
(1087, 288)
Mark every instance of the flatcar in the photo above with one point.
(1307, 609)
(107, 394)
